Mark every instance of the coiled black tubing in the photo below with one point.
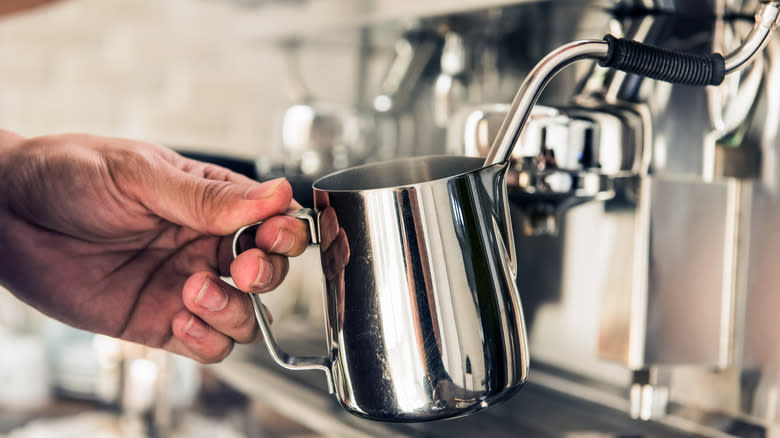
(662, 64)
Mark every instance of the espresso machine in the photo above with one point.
(644, 212)
(643, 220)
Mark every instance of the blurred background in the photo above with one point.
(198, 73)
(204, 76)
(647, 257)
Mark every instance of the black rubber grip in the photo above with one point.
(662, 64)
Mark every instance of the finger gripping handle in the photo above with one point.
(662, 64)
(284, 359)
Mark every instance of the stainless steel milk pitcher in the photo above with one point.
(424, 320)
(423, 313)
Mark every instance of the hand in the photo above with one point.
(129, 239)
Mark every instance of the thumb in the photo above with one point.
(257, 201)
(219, 207)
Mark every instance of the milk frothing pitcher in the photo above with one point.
(424, 320)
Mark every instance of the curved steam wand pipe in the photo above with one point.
(632, 57)
(767, 18)
(531, 89)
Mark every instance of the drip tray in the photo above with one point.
(536, 410)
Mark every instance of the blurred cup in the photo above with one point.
(316, 138)
(24, 372)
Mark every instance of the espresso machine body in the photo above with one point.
(654, 272)
(644, 213)
(656, 275)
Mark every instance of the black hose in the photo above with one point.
(662, 64)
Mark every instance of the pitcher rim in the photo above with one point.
(316, 185)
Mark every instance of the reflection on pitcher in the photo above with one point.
(334, 253)
(424, 319)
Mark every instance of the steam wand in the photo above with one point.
(632, 57)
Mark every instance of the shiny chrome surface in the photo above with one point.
(767, 18)
(315, 138)
(424, 319)
(760, 334)
(676, 298)
(682, 252)
(532, 88)
(473, 130)
(603, 140)
(679, 268)
(424, 315)
(413, 52)
(564, 157)
(686, 290)
(449, 90)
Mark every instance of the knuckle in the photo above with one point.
(211, 197)
(126, 163)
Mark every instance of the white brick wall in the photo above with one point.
(184, 73)
(178, 72)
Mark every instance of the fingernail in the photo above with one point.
(211, 297)
(284, 241)
(264, 190)
(264, 274)
(196, 328)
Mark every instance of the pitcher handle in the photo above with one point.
(281, 357)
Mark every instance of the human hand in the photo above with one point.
(128, 239)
